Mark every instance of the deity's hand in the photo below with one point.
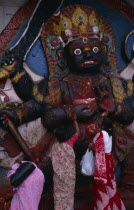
(126, 114)
(55, 117)
(4, 114)
(7, 66)
(85, 111)
(105, 98)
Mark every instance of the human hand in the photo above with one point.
(91, 147)
(73, 116)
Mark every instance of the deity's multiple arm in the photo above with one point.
(31, 93)
(35, 106)
(54, 117)
(34, 94)
(21, 80)
(125, 113)
(24, 113)
(123, 92)
(116, 97)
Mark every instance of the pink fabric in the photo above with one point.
(72, 140)
(106, 196)
(28, 194)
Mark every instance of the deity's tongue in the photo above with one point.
(88, 63)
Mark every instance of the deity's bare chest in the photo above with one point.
(78, 88)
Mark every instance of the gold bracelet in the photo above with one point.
(38, 96)
(18, 77)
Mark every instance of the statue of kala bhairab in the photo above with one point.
(83, 79)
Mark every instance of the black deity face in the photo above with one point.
(85, 56)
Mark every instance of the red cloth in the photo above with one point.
(106, 195)
(72, 140)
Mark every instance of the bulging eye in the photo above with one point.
(77, 51)
(95, 49)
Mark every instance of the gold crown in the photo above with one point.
(77, 21)
(70, 23)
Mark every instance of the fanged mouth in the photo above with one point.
(88, 63)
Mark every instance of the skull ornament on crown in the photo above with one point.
(72, 23)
